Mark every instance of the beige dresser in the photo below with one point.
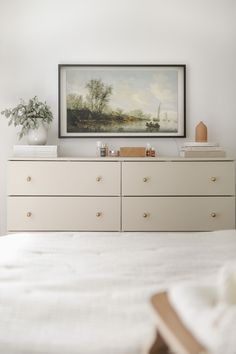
(121, 194)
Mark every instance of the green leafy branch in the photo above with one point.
(28, 115)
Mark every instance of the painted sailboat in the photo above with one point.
(154, 123)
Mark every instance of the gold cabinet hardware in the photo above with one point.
(99, 178)
(145, 215)
(213, 179)
(28, 179)
(98, 214)
(29, 214)
(213, 215)
(145, 179)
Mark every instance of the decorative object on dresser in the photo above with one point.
(150, 150)
(121, 100)
(34, 118)
(201, 132)
(121, 194)
(35, 151)
(202, 149)
(132, 151)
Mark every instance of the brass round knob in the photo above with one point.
(145, 179)
(28, 179)
(213, 179)
(99, 178)
(145, 215)
(213, 215)
(29, 214)
(98, 214)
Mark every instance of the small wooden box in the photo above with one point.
(132, 152)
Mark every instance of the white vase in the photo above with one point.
(38, 136)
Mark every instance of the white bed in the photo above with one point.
(84, 293)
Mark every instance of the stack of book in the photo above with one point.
(35, 150)
(202, 149)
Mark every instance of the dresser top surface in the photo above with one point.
(108, 159)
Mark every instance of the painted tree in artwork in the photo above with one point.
(98, 95)
(74, 101)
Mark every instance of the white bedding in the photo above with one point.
(89, 293)
(209, 310)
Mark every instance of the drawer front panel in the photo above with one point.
(63, 178)
(178, 178)
(63, 213)
(178, 213)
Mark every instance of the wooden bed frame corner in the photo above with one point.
(172, 334)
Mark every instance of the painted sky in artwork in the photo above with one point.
(133, 88)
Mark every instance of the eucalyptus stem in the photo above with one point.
(28, 115)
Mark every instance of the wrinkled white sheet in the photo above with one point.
(87, 293)
(209, 310)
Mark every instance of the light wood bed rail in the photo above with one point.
(172, 334)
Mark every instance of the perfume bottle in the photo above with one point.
(107, 149)
(103, 150)
(153, 152)
(98, 148)
(148, 150)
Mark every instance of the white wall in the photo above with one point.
(36, 35)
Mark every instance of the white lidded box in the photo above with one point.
(35, 150)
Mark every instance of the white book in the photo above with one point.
(35, 150)
(202, 148)
(198, 143)
(212, 153)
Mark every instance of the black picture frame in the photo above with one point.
(119, 100)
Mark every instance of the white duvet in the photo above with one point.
(88, 293)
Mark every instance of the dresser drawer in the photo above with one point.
(178, 178)
(178, 213)
(63, 178)
(64, 213)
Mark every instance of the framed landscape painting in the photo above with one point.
(121, 101)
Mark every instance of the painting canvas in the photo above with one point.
(121, 100)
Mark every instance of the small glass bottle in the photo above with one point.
(98, 148)
(107, 149)
(148, 150)
(103, 150)
(153, 152)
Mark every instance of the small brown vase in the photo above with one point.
(201, 132)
